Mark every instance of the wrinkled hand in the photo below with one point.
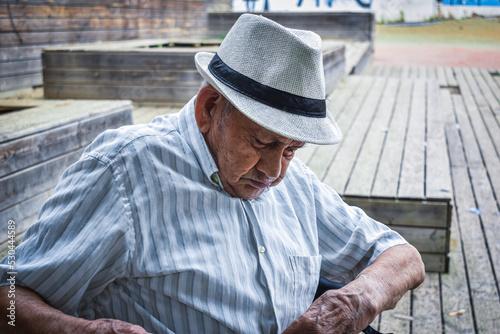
(113, 326)
(336, 312)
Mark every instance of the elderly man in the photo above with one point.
(189, 225)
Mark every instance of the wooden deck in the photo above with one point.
(466, 299)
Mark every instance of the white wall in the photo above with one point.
(459, 12)
(412, 10)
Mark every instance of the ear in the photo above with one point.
(207, 100)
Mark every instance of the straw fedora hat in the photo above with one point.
(274, 76)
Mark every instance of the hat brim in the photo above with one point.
(322, 131)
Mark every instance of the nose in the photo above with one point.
(270, 163)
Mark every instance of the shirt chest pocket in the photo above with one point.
(306, 271)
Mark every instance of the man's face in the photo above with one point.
(250, 158)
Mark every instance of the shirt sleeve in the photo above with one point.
(349, 240)
(81, 241)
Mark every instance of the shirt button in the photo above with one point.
(262, 249)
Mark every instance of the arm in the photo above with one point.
(33, 316)
(377, 288)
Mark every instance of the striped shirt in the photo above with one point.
(140, 229)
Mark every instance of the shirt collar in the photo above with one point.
(197, 143)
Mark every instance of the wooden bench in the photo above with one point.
(161, 71)
(392, 161)
(38, 143)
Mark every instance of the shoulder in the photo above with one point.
(134, 140)
(298, 172)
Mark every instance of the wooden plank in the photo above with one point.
(421, 72)
(358, 55)
(450, 77)
(345, 101)
(62, 24)
(387, 177)
(431, 72)
(334, 75)
(492, 85)
(455, 292)
(399, 319)
(411, 181)
(22, 67)
(441, 76)
(24, 214)
(405, 212)
(405, 72)
(111, 3)
(333, 52)
(485, 128)
(53, 114)
(35, 180)
(334, 65)
(138, 59)
(39, 147)
(340, 169)
(377, 70)
(396, 71)
(33, 38)
(489, 91)
(363, 174)
(318, 157)
(413, 72)
(58, 24)
(117, 76)
(426, 306)
(426, 240)
(482, 283)
(368, 71)
(495, 73)
(19, 52)
(98, 11)
(483, 186)
(20, 81)
(435, 262)
(86, 36)
(488, 107)
(385, 71)
(137, 93)
(437, 171)
(483, 287)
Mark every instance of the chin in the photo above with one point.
(248, 192)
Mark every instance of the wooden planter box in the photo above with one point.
(157, 71)
(38, 143)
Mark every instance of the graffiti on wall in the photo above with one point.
(299, 5)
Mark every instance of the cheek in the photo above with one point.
(284, 167)
(239, 160)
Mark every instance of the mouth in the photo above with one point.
(260, 185)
